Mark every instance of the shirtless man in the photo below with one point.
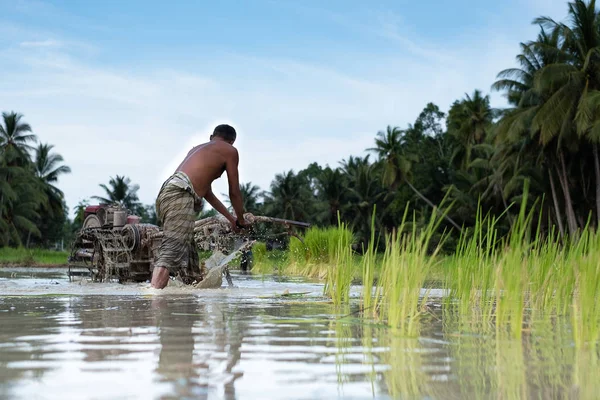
(180, 200)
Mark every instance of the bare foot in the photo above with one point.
(160, 277)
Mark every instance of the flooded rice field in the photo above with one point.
(62, 339)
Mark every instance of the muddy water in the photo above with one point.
(62, 340)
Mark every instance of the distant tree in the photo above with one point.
(48, 170)
(15, 138)
(20, 194)
(290, 197)
(250, 198)
(120, 191)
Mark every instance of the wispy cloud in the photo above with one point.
(42, 43)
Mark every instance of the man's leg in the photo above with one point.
(177, 211)
(160, 277)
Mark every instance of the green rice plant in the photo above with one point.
(512, 273)
(585, 301)
(547, 262)
(321, 244)
(313, 255)
(406, 265)
(469, 274)
(259, 251)
(340, 272)
(368, 261)
(260, 263)
(298, 251)
(266, 262)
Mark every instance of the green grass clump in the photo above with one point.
(298, 252)
(259, 251)
(267, 262)
(507, 285)
(406, 264)
(368, 264)
(341, 271)
(21, 256)
(317, 251)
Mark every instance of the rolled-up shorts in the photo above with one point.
(177, 206)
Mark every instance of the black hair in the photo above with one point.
(226, 132)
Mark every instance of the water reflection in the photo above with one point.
(189, 346)
(21, 355)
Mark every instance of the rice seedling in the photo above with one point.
(469, 273)
(266, 262)
(586, 307)
(405, 267)
(340, 272)
(368, 268)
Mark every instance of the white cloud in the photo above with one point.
(41, 43)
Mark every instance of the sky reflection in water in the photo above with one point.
(237, 344)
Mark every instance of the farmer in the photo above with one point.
(180, 200)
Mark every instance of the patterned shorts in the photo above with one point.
(177, 206)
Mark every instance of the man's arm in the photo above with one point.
(235, 196)
(217, 205)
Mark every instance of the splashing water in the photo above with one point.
(217, 266)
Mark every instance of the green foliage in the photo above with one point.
(120, 191)
(21, 256)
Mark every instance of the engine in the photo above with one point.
(114, 244)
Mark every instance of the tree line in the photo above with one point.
(475, 157)
(470, 157)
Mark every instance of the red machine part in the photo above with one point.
(90, 210)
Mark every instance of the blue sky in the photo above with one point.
(302, 81)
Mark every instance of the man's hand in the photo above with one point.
(238, 225)
(242, 223)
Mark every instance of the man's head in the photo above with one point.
(225, 132)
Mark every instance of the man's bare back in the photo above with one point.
(207, 162)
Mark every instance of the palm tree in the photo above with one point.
(568, 89)
(19, 198)
(353, 164)
(388, 146)
(469, 121)
(365, 191)
(14, 139)
(14, 147)
(21, 213)
(398, 162)
(80, 212)
(515, 127)
(121, 192)
(290, 197)
(48, 170)
(250, 197)
(333, 188)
